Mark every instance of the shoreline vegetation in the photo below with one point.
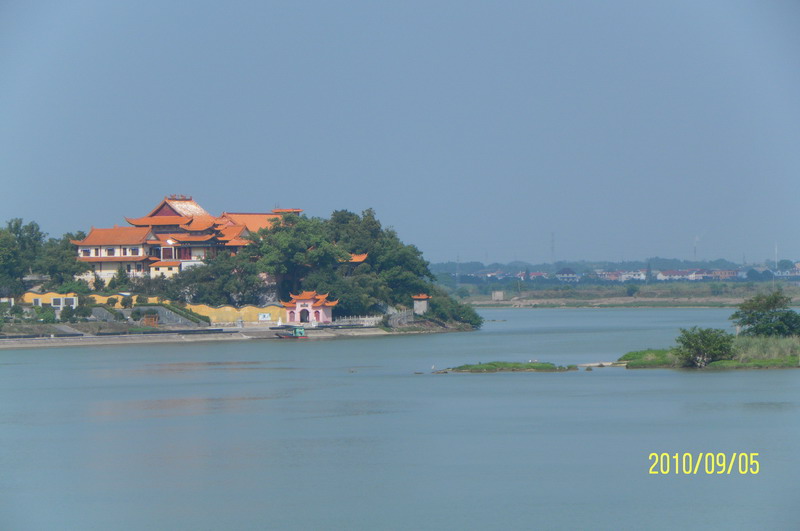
(749, 353)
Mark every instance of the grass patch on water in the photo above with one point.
(509, 366)
(789, 362)
(650, 358)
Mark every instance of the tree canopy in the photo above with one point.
(314, 254)
(767, 315)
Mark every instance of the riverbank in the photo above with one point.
(244, 334)
(223, 335)
(612, 302)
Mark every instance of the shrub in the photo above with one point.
(67, 314)
(446, 309)
(111, 301)
(127, 301)
(697, 347)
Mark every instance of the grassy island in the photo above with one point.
(507, 366)
(748, 353)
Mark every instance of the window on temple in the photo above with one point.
(184, 253)
(124, 251)
(166, 253)
(134, 251)
(96, 252)
(110, 252)
(86, 252)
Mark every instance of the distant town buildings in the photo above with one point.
(567, 275)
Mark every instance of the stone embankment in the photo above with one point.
(234, 334)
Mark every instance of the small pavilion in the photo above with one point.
(309, 307)
(421, 303)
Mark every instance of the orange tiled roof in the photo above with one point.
(421, 297)
(325, 302)
(116, 236)
(286, 210)
(165, 264)
(254, 221)
(199, 223)
(158, 220)
(230, 232)
(321, 300)
(358, 258)
(305, 295)
(193, 238)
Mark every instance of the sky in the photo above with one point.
(489, 131)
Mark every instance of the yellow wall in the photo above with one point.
(102, 299)
(222, 314)
(45, 298)
(247, 314)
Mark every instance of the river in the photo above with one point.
(344, 434)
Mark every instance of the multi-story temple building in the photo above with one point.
(178, 233)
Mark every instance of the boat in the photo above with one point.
(294, 332)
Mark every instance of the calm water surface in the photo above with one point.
(344, 435)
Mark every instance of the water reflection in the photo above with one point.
(167, 407)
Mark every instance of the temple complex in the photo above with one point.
(177, 234)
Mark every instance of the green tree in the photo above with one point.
(442, 307)
(83, 310)
(292, 249)
(631, 290)
(57, 259)
(67, 314)
(224, 279)
(697, 347)
(30, 239)
(785, 265)
(45, 313)
(767, 315)
(120, 280)
(127, 301)
(12, 267)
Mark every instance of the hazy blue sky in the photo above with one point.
(629, 129)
